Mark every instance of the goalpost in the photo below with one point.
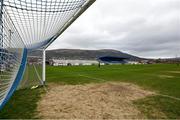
(44, 67)
(28, 25)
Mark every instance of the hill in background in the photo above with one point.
(83, 54)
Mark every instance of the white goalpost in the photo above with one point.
(44, 67)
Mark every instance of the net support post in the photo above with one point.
(44, 66)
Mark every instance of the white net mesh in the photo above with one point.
(37, 21)
(11, 51)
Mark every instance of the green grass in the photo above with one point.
(158, 107)
(147, 76)
(22, 105)
(30, 77)
(152, 77)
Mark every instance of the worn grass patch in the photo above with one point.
(111, 100)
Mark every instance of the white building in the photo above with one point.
(133, 62)
(58, 62)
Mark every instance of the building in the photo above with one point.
(116, 60)
(133, 62)
(36, 60)
(7, 59)
(59, 62)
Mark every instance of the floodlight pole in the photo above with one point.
(1, 24)
(44, 67)
(10, 37)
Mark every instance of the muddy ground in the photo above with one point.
(91, 101)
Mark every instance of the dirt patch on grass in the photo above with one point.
(166, 76)
(174, 71)
(92, 101)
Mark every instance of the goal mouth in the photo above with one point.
(27, 25)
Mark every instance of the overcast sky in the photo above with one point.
(146, 28)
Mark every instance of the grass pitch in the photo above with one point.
(161, 78)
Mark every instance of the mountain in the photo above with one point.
(83, 54)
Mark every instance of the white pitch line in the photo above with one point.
(167, 96)
(163, 95)
(92, 77)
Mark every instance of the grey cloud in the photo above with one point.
(148, 28)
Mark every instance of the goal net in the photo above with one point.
(28, 25)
